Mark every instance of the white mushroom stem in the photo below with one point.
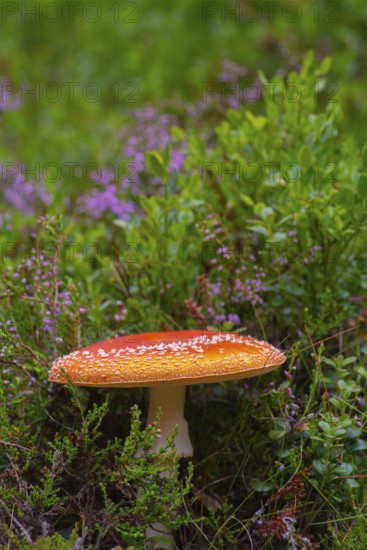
(171, 399)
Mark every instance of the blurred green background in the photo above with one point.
(159, 51)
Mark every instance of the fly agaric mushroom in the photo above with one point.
(166, 362)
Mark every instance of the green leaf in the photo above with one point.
(279, 236)
(358, 445)
(364, 156)
(353, 483)
(362, 185)
(283, 453)
(276, 434)
(353, 433)
(344, 469)
(319, 465)
(259, 206)
(348, 361)
(262, 486)
(121, 223)
(267, 212)
(166, 156)
(324, 66)
(155, 164)
(338, 223)
(177, 133)
(173, 183)
(258, 122)
(247, 200)
(259, 229)
(186, 217)
(324, 426)
(305, 157)
(148, 204)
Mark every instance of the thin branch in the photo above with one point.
(14, 445)
(14, 519)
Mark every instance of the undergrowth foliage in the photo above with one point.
(114, 485)
(279, 461)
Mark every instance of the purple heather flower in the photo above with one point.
(25, 196)
(223, 250)
(151, 132)
(10, 99)
(99, 202)
(220, 318)
(231, 72)
(233, 318)
(248, 290)
(216, 288)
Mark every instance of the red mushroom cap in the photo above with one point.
(180, 357)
